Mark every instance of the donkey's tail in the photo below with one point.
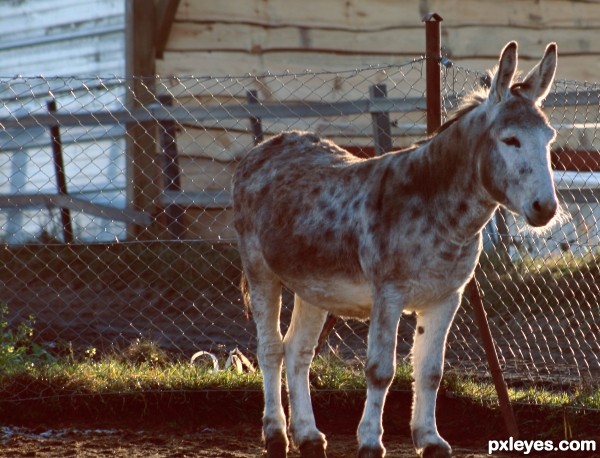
(246, 295)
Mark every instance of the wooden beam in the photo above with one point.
(165, 15)
(75, 204)
(143, 186)
(236, 110)
(207, 200)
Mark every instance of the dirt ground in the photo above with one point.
(236, 442)
(226, 424)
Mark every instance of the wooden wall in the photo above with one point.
(251, 36)
(266, 37)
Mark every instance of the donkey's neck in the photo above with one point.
(447, 180)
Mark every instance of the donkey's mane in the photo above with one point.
(469, 103)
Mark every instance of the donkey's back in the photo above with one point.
(300, 215)
(329, 225)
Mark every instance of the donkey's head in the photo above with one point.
(515, 164)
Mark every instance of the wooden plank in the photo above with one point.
(211, 200)
(309, 87)
(549, 14)
(17, 139)
(200, 173)
(239, 111)
(28, 18)
(385, 30)
(257, 39)
(222, 144)
(292, 110)
(178, 64)
(377, 14)
(142, 164)
(206, 147)
(75, 204)
(313, 13)
(465, 41)
(459, 40)
(578, 68)
(155, 112)
(231, 140)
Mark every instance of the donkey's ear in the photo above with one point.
(506, 71)
(536, 84)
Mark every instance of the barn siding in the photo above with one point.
(330, 30)
(62, 38)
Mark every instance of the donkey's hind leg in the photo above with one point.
(265, 298)
(300, 342)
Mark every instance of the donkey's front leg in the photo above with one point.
(380, 369)
(429, 347)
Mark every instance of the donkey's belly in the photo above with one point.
(340, 296)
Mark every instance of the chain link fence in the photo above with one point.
(141, 194)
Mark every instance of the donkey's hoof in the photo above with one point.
(312, 449)
(276, 447)
(437, 451)
(371, 452)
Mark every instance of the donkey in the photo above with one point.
(373, 238)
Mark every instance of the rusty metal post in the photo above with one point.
(492, 358)
(433, 56)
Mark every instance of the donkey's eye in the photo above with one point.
(512, 141)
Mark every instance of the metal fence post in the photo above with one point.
(433, 54)
(434, 121)
(61, 180)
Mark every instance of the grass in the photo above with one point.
(113, 374)
(485, 392)
(139, 385)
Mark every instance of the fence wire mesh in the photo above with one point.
(146, 167)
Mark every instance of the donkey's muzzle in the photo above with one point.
(541, 212)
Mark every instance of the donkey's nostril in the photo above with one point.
(541, 212)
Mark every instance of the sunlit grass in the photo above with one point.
(111, 375)
(485, 392)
